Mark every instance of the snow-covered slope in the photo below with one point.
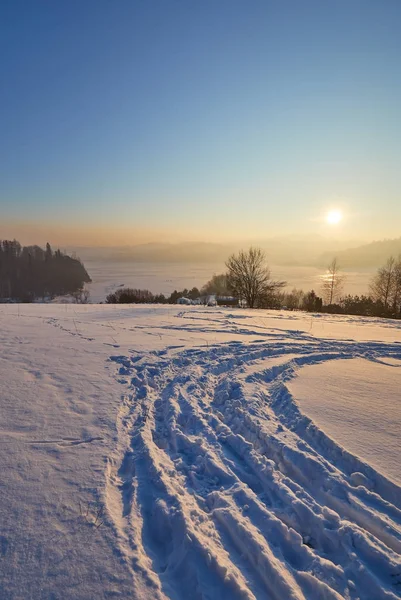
(360, 407)
(153, 453)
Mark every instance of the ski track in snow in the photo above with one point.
(220, 488)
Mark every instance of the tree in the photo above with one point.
(358, 305)
(49, 253)
(81, 296)
(193, 294)
(385, 287)
(217, 285)
(396, 296)
(249, 277)
(333, 282)
(159, 299)
(293, 300)
(172, 299)
(311, 302)
(130, 296)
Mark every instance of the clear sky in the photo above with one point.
(136, 120)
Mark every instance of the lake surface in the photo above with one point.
(164, 278)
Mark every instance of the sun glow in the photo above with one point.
(334, 217)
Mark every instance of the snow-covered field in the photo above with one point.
(150, 452)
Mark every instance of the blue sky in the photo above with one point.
(207, 119)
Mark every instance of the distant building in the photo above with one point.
(211, 300)
(227, 301)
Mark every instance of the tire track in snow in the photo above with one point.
(220, 487)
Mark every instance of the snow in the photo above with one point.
(356, 410)
(157, 452)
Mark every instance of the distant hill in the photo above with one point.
(172, 253)
(374, 254)
(281, 250)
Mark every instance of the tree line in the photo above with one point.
(383, 299)
(28, 273)
(249, 278)
(138, 296)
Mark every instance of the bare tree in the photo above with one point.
(396, 296)
(217, 285)
(382, 284)
(333, 282)
(293, 300)
(85, 296)
(249, 277)
(81, 296)
(385, 286)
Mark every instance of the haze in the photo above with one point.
(132, 122)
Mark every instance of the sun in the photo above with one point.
(333, 217)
